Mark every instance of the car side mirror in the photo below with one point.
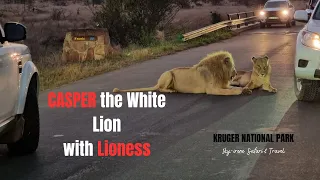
(309, 11)
(14, 32)
(301, 16)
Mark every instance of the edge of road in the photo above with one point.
(238, 31)
(246, 28)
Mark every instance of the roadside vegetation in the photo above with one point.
(134, 27)
(54, 73)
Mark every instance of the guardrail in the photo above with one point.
(234, 20)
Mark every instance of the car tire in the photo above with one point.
(262, 25)
(30, 138)
(288, 24)
(268, 25)
(294, 23)
(308, 91)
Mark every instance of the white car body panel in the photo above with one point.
(29, 69)
(14, 85)
(19, 92)
(308, 53)
(313, 26)
(9, 81)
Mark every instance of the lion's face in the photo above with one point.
(261, 65)
(229, 68)
(234, 73)
(219, 66)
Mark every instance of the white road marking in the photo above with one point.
(58, 135)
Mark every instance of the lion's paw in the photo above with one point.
(246, 91)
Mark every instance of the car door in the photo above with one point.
(9, 79)
(3, 84)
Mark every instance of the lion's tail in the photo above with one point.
(116, 90)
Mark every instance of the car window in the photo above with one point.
(313, 2)
(1, 33)
(316, 14)
(276, 4)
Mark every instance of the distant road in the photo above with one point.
(181, 133)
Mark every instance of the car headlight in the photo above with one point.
(285, 12)
(262, 13)
(310, 39)
(15, 56)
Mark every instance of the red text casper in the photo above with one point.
(71, 99)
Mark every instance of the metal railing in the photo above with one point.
(234, 20)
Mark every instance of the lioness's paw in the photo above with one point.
(274, 90)
(246, 91)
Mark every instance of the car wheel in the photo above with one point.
(307, 90)
(294, 23)
(30, 138)
(268, 25)
(288, 24)
(262, 25)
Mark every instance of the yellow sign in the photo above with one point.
(79, 38)
(84, 38)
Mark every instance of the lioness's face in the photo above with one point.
(261, 65)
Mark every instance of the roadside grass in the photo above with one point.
(54, 73)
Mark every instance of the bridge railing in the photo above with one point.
(235, 20)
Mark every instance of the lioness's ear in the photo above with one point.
(254, 59)
(266, 57)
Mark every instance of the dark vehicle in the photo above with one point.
(277, 12)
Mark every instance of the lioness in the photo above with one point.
(212, 75)
(258, 77)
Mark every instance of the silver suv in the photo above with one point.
(19, 89)
(277, 12)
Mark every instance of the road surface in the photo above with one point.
(181, 133)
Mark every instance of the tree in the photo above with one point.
(30, 3)
(132, 21)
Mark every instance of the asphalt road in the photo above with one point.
(181, 133)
